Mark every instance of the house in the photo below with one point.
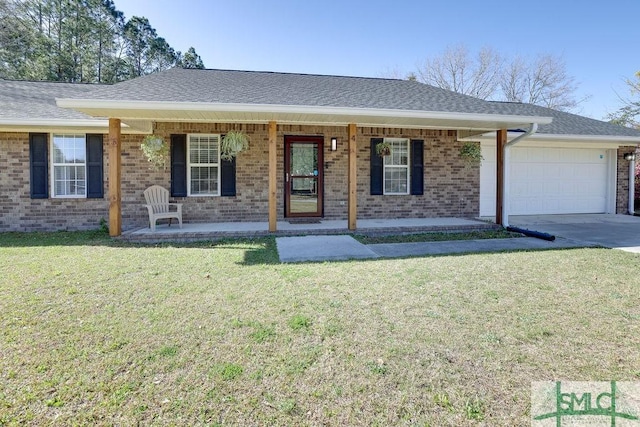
(70, 154)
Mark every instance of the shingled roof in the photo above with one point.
(25, 100)
(287, 98)
(212, 95)
(564, 123)
(269, 88)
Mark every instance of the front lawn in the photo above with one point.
(94, 332)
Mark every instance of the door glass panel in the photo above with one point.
(304, 195)
(303, 181)
(304, 159)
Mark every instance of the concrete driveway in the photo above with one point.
(611, 231)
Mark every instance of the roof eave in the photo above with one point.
(59, 125)
(624, 139)
(189, 111)
(594, 138)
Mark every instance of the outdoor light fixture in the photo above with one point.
(630, 156)
(334, 144)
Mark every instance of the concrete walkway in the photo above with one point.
(572, 231)
(322, 248)
(333, 248)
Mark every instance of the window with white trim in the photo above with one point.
(68, 165)
(396, 167)
(203, 169)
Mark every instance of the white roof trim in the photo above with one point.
(73, 125)
(101, 105)
(621, 139)
(55, 122)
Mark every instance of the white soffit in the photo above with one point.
(293, 114)
(63, 125)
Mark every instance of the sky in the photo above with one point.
(597, 40)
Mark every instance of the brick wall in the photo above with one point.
(451, 188)
(18, 212)
(622, 195)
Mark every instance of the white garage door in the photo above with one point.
(548, 180)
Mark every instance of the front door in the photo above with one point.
(303, 176)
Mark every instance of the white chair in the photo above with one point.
(158, 205)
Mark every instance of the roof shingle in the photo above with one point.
(564, 123)
(36, 100)
(252, 87)
(22, 100)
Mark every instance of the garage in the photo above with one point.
(551, 179)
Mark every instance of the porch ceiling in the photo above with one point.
(139, 114)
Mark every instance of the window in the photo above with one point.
(203, 165)
(396, 167)
(69, 169)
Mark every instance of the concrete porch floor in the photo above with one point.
(212, 231)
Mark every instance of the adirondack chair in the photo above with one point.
(159, 207)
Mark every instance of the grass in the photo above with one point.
(436, 236)
(93, 332)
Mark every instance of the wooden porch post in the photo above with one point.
(353, 184)
(273, 163)
(501, 141)
(115, 199)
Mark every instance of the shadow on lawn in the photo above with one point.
(56, 238)
(256, 251)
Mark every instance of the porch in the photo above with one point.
(213, 231)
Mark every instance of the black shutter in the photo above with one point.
(95, 185)
(377, 169)
(39, 165)
(228, 177)
(179, 165)
(417, 167)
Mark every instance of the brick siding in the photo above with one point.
(18, 212)
(451, 187)
(622, 195)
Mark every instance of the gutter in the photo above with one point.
(632, 182)
(56, 122)
(505, 178)
(613, 140)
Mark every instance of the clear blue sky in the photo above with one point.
(598, 40)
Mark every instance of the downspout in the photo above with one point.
(506, 163)
(632, 183)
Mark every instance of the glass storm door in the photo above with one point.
(303, 176)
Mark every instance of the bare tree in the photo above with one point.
(396, 73)
(543, 81)
(457, 70)
(628, 114)
(489, 75)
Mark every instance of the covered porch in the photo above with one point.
(352, 185)
(221, 230)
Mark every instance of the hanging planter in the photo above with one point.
(471, 152)
(156, 150)
(233, 143)
(383, 149)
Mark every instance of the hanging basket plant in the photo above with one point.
(156, 150)
(383, 149)
(471, 152)
(233, 143)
